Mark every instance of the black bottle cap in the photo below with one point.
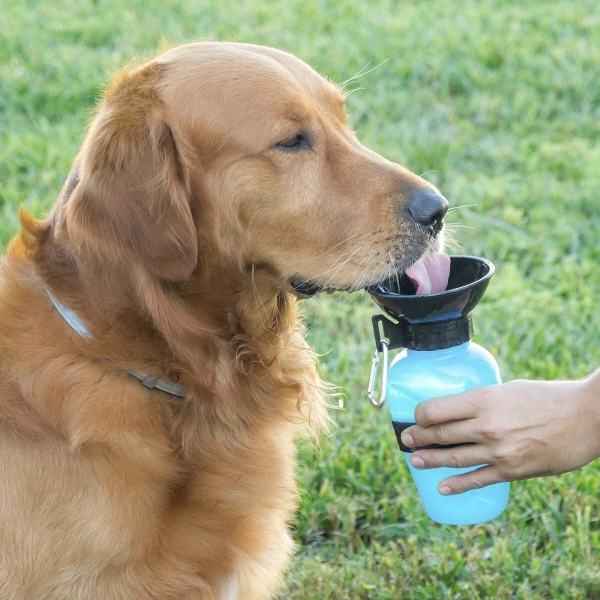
(435, 335)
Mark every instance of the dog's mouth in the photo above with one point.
(428, 275)
(305, 288)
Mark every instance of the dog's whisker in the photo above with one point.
(334, 267)
(368, 268)
(331, 283)
(454, 208)
(350, 92)
(343, 84)
(450, 226)
(325, 302)
(257, 298)
(393, 273)
(366, 261)
(335, 263)
(454, 244)
(363, 234)
(361, 73)
(337, 269)
(451, 230)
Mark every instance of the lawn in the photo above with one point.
(498, 104)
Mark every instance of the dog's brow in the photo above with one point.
(333, 99)
(298, 116)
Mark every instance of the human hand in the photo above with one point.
(519, 430)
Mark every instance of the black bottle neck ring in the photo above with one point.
(429, 335)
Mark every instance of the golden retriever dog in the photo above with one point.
(153, 372)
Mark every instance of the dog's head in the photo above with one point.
(220, 157)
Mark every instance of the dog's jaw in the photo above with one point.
(434, 244)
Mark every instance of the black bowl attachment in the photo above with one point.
(432, 321)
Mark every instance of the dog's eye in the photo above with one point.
(293, 143)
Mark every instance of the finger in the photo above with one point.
(448, 408)
(473, 480)
(471, 455)
(454, 432)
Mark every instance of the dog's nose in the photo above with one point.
(427, 208)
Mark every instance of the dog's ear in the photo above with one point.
(131, 200)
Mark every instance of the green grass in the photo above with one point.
(499, 103)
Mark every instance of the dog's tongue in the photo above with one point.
(430, 273)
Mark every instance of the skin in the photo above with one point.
(519, 430)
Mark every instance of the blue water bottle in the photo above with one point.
(438, 359)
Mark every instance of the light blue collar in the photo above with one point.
(78, 327)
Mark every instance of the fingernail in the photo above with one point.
(417, 462)
(445, 490)
(407, 439)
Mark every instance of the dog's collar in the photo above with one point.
(78, 327)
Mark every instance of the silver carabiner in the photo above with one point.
(373, 377)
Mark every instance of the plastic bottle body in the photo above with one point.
(415, 376)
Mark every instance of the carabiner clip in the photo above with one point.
(373, 377)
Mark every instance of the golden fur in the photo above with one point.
(175, 240)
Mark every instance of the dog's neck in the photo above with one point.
(80, 329)
(177, 333)
(223, 326)
(236, 348)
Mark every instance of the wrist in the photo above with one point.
(591, 400)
